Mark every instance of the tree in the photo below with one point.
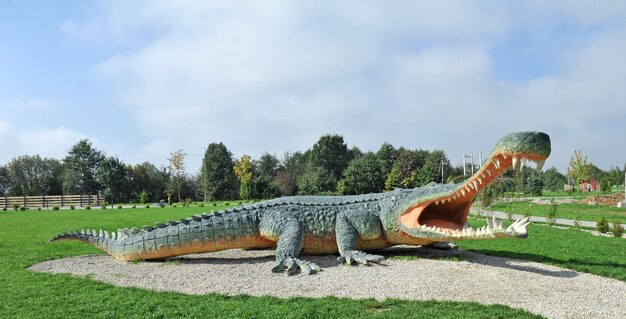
(578, 166)
(177, 168)
(80, 167)
(315, 180)
(393, 180)
(534, 184)
(243, 171)
(265, 171)
(115, 179)
(149, 180)
(331, 154)
(363, 175)
(431, 170)
(387, 154)
(217, 178)
(405, 163)
(33, 175)
(5, 183)
(291, 166)
(553, 180)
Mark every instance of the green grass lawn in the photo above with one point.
(581, 195)
(567, 248)
(568, 211)
(26, 294)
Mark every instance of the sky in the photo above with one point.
(142, 79)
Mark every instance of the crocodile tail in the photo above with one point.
(100, 240)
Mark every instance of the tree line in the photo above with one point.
(328, 167)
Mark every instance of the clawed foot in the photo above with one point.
(292, 265)
(359, 257)
(517, 229)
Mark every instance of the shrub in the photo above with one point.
(72, 207)
(602, 225)
(509, 216)
(16, 206)
(227, 203)
(239, 203)
(143, 196)
(188, 201)
(55, 207)
(22, 208)
(553, 212)
(214, 204)
(39, 208)
(4, 209)
(617, 229)
(201, 205)
(104, 207)
(577, 221)
(88, 207)
(134, 206)
(148, 206)
(174, 205)
(119, 206)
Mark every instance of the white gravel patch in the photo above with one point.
(542, 289)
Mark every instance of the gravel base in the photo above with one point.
(543, 289)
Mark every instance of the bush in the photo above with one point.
(552, 214)
(602, 225)
(148, 206)
(72, 207)
(55, 207)
(617, 229)
(104, 207)
(16, 207)
(214, 204)
(119, 206)
(174, 205)
(188, 201)
(134, 206)
(39, 208)
(577, 221)
(201, 205)
(88, 207)
(4, 209)
(227, 203)
(143, 196)
(240, 203)
(23, 208)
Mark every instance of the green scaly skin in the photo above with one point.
(347, 225)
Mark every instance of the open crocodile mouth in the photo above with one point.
(448, 213)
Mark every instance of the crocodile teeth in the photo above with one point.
(540, 165)
(106, 234)
(480, 180)
(504, 156)
(101, 234)
(516, 163)
(463, 192)
(112, 235)
(497, 162)
(475, 183)
(488, 172)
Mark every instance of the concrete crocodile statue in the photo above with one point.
(347, 225)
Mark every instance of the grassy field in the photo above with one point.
(568, 211)
(567, 248)
(26, 294)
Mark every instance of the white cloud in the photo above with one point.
(48, 142)
(275, 76)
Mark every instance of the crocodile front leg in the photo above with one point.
(347, 236)
(288, 249)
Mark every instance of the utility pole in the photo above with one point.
(442, 164)
(465, 163)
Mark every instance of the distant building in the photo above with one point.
(589, 185)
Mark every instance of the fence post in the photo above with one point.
(81, 200)
(62, 202)
(5, 203)
(24, 196)
(43, 200)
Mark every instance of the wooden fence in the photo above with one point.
(48, 201)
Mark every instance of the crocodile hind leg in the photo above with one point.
(347, 236)
(288, 249)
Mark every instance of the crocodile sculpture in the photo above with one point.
(347, 225)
